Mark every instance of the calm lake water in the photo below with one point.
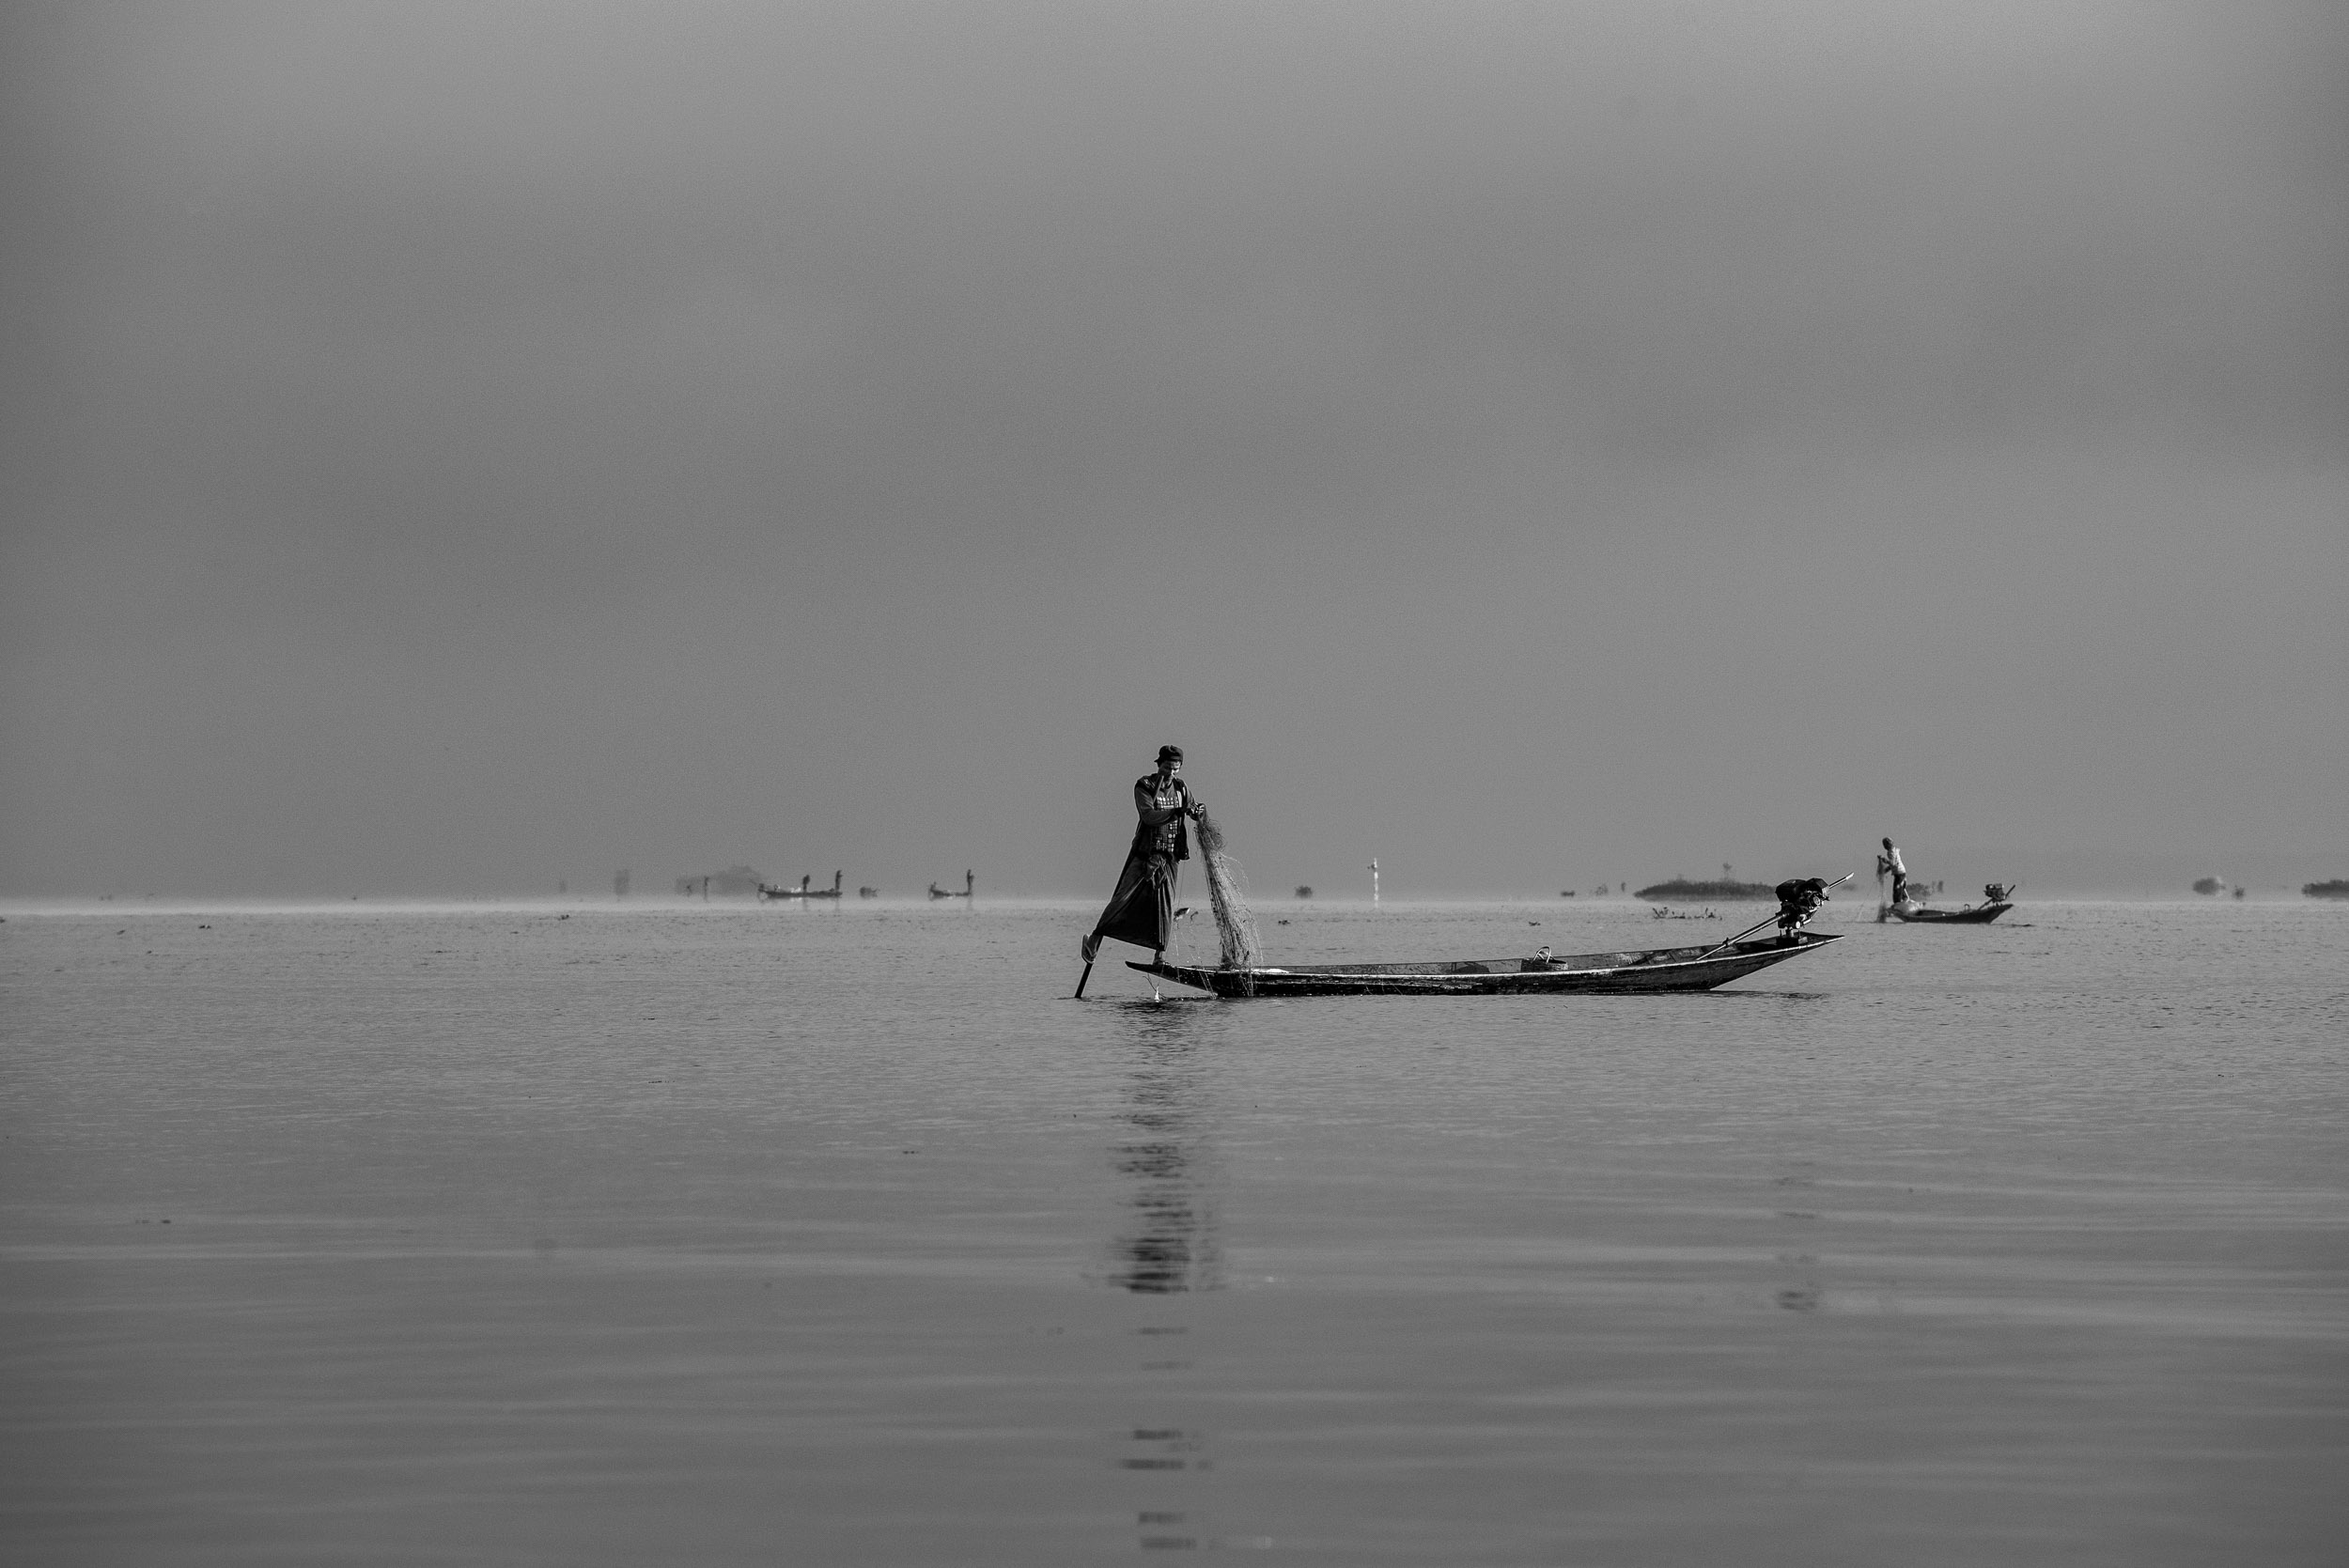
(575, 1234)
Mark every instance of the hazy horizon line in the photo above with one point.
(258, 903)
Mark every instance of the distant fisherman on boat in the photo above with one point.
(1142, 911)
(1799, 899)
(1889, 862)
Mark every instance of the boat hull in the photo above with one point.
(1982, 915)
(1661, 969)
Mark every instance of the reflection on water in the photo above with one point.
(1173, 1246)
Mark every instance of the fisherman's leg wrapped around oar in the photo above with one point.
(1142, 911)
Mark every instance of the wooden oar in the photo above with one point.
(1752, 929)
(1739, 936)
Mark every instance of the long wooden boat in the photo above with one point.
(1979, 915)
(803, 890)
(1656, 969)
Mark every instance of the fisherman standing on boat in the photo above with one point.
(1799, 899)
(1891, 862)
(1142, 911)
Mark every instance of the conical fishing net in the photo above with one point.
(1225, 891)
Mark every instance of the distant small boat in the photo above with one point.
(1979, 914)
(803, 890)
(969, 882)
(1661, 969)
(2338, 888)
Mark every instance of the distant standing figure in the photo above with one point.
(1889, 862)
(1142, 911)
(1799, 899)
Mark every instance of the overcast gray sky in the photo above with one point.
(450, 448)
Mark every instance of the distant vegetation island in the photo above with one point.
(1721, 892)
(2338, 888)
(2208, 885)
